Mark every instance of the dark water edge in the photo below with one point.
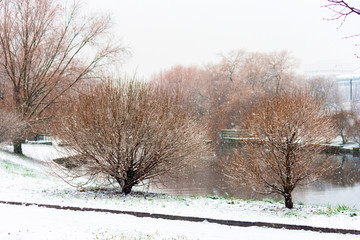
(340, 188)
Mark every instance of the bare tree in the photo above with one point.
(271, 72)
(237, 80)
(344, 123)
(216, 90)
(326, 90)
(129, 132)
(231, 63)
(189, 81)
(46, 48)
(286, 132)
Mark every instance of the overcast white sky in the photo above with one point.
(163, 33)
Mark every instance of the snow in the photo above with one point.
(41, 152)
(338, 142)
(38, 223)
(29, 180)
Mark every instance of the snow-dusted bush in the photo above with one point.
(286, 133)
(129, 132)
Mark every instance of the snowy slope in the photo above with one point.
(29, 180)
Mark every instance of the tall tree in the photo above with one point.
(45, 49)
(270, 72)
(286, 132)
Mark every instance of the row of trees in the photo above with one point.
(219, 93)
(129, 132)
(286, 116)
(51, 57)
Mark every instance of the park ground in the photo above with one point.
(28, 179)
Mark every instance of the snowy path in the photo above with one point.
(189, 219)
(20, 222)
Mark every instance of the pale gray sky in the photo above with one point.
(163, 33)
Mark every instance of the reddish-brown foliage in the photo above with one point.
(129, 132)
(286, 132)
(46, 48)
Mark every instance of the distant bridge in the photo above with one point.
(349, 87)
(234, 134)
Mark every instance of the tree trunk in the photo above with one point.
(17, 145)
(126, 189)
(343, 138)
(288, 201)
(19, 139)
(128, 183)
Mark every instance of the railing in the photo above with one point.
(234, 134)
(41, 139)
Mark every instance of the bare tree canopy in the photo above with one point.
(286, 132)
(344, 123)
(46, 48)
(343, 9)
(219, 92)
(129, 132)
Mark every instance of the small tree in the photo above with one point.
(344, 122)
(129, 132)
(286, 132)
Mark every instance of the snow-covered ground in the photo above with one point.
(338, 142)
(37, 223)
(28, 180)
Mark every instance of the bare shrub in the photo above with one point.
(286, 133)
(129, 132)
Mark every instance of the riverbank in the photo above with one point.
(28, 180)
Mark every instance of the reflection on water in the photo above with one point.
(327, 193)
(342, 187)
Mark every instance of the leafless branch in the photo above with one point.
(287, 132)
(130, 132)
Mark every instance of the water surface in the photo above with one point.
(342, 187)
